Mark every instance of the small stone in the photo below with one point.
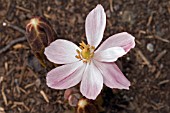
(161, 66)
(145, 80)
(131, 98)
(126, 74)
(38, 83)
(4, 24)
(150, 47)
(128, 58)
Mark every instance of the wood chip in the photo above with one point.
(111, 5)
(1, 79)
(142, 32)
(163, 82)
(158, 37)
(29, 85)
(157, 106)
(10, 71)
(22, 90)
(20, 46)
(160, 55)
(23, 9)
(4, 96)
(157, 74)
(15, 27)
(44, 96)
(2, 110)
(6, 66)
(21, 39)
(150, 20)
(161, 39)
(146, 61)
(21, 104)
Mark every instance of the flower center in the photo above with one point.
(86, 53)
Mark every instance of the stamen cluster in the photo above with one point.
(87, 52)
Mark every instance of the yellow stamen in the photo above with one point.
(87, 52)
(78, 51)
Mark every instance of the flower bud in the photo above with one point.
(86, 106)
(39, 34)
(69, 92)
(74, 99)
(72, 95)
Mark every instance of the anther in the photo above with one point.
(86, 53)
(77, 51)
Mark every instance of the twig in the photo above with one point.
(111, 5)
(146, 61)
(149, 20)
(1, 79)
(163, 82)
(44, 96)
(4, 96)
(160, 55)
(14, 41)
(164, 40)
(29, 85)
(16, 28)
(21, 39)
(22, 90)
(23, 9)
(8, 24)
(159, 38)
(21, 104)
(157, 74)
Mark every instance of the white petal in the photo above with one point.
(92, 82)
(109, 55)
(61, 52)
(65, 76)
(95, 25)
(124, 40)
(112, 75)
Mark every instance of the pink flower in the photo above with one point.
(86, 64)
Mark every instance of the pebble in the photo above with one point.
(4, 24)
(150, 47)
(128, 58)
